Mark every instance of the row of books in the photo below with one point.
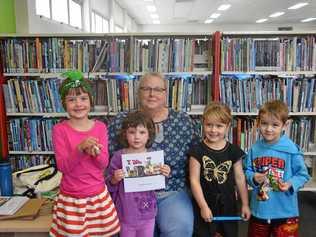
(20, 162)
(30, 96)
(54, 55)
(29, 134)
(244, 132)
(172, 55)
(275, 54)
(246, 93)
(57, 54)
(188, 91)
(112, 93)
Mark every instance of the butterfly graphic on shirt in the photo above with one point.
(216, 172)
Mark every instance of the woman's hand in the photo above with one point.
(118, 175)
(165, 170)
(206, 214)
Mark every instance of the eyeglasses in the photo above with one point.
(148, 89)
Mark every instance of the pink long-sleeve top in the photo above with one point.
(83, 175)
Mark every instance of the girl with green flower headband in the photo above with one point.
(81, 153)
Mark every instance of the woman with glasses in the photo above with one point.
(175, 132)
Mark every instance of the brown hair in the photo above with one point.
(74, 91)
(134, 119)
(217, 111)
(276, 108)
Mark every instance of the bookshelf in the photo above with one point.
(191, 62)
(260, 66)
(32, 65)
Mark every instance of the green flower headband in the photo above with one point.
(75, 79)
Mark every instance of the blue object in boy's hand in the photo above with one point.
(227, 218)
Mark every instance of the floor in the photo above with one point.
(307, 205)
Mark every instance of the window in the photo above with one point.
(105, 24)
(42, 8)
(65, 11)
(75, 14)
(60, 10)
(99, 24)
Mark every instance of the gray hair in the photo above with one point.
(149, 75)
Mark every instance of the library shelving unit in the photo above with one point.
(259, 66)
(243, 67)
(30, 77)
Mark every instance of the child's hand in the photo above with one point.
(283, 186)
(245, 212)
(117, 176)
(260, 177)
(90, 146)
(95, 150)
(165, 170)
(206, 214)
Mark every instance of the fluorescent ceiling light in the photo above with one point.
(154, 16)
(151, 8)
(156, 21)
(148, 0)
(223, 7)
(214, 15)
(297, 6)
(309, 19)
(208, 21)
(276, 14)
(261, 20)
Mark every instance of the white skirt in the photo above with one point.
(91, 216)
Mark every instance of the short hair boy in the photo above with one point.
(275, 169)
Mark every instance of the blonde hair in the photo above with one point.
(276, 108)
(217, 111)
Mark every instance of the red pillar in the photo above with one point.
(3, 119)
(216, 65)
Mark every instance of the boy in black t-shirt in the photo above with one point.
(215, 169)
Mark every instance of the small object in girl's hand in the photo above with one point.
(96, 149)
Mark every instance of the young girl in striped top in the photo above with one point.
(83, 206)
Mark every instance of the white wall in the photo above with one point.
(200, 28)
(22, 21)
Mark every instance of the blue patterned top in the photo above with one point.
(178, 134)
